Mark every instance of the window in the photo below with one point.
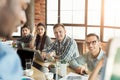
(82, 17)
(18, 32)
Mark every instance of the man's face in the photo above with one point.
(93, 44)
(12, 16)
(59, 33)
(25, 31)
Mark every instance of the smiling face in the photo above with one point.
(40, 30)
(12, 15)
(93, 44)
(59, 33)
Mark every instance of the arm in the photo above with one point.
(95, 72)
(48, 49)
(32, 46)
(32, 43)
(79, 65)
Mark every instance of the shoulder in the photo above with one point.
(70, 39)
(7, 50)
(47, 37)
(102, 53)
(10, 57)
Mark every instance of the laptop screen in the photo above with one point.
(24, 55)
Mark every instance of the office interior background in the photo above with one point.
(80, 17)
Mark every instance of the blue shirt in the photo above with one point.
(87, 59)
(67, 49)
(10, 65)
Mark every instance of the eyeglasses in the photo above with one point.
(91, 42)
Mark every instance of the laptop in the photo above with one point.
(25, 54)
(38, 56)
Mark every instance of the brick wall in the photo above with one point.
(39, 11)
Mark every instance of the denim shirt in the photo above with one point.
(67, 49)
(87, 59)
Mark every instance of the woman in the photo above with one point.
(41, 40)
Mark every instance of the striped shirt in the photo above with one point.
(67, 49)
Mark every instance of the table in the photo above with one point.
(38, 75)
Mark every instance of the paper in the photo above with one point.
(74, 76)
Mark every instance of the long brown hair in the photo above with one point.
(38, 38)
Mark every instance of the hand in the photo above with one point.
(43, 55)
(52, 54)
(56, 57)
(78, 69)
(81, 70)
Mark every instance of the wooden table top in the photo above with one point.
(39, 75)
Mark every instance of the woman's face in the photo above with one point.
(40, 30)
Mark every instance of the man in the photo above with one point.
(88, 61)
(25, 40)
(64, 47)
(12, 14)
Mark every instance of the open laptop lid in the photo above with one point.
(38, 56)
(112, 71)
(25, 54)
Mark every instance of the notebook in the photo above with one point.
(25, 54)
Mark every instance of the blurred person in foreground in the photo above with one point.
(65, 48)
(87, 62)
(12, 14)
